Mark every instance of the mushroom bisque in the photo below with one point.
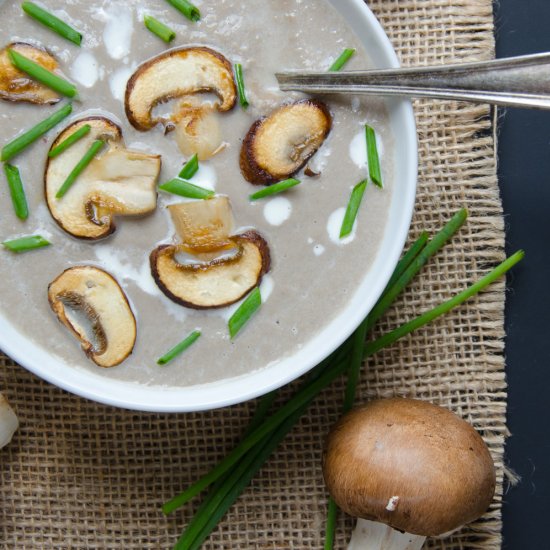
(408, 470)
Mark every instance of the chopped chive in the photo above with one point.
(190, 168)
(179, 348)
(274, 189)
(183, 188)
(160, 29)
(189, 10)
(244, 312)
(17, 192)
(353, 207)
(41, 74)
(23, 244)
(342, 59)
(94, 149)
(71, 140)
(30, 136)
(240, 85)
(51, 21)
(373, 158)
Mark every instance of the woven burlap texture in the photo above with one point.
(83, 475)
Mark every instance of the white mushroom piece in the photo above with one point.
(183, 76)
(117, 182)
(8, 422)
(279, 145)
(211, 267)
(17, 86)
(91, 304)
(409, 470)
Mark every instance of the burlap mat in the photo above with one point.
(83, 475)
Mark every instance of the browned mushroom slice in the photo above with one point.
(215, 284)
(277, 147)
(119, 182)
(222, 268)
(91, 304)
(177, 74)
(16, 86)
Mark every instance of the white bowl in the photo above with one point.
(235, 390)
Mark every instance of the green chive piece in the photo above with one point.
(189, 10)
(190, 168)
(17, 192)
(24, 244)
(353, 207)
(30, 136)
(274, 189)
(179, 348)
(342, 59)
(183, 188)
(240, 85)
(373, 158)
(71, 140)
(244, 312)
(41, 74)
(52, 22)
(160, 29)
(94, 149)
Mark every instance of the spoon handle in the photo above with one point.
(522, 81)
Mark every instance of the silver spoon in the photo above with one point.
(522, 81)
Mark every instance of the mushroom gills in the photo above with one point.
(92, 305)
(211, 267)
(118, 182)
(17, 86)
(279, 145)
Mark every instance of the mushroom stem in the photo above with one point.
(373, 535)
(8, 422)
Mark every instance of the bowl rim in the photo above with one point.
(135, 396)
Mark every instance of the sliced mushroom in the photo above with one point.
(277, 146)
(183, 74)
(91, 304)
(17, 86)
(214, 278)
(119, 182)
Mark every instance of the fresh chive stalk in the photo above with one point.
(274, 189)
(189, 10)
(52, 22)
(160, 29)
(190, 168)
(24, 244)
(179, 348)
(187, 189)
(36, 71)
(17, 192)
(353, 207)
(30, 136)
(372, 156)
(305, 395)
(244, 312)
(71, 140)
(240, 85)
(342, 59)
(81, 165)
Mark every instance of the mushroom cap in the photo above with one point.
(412, 465)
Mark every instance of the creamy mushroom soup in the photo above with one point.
(313, 272)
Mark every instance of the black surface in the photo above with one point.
(523, 26)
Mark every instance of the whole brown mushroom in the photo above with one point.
(408, 470)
